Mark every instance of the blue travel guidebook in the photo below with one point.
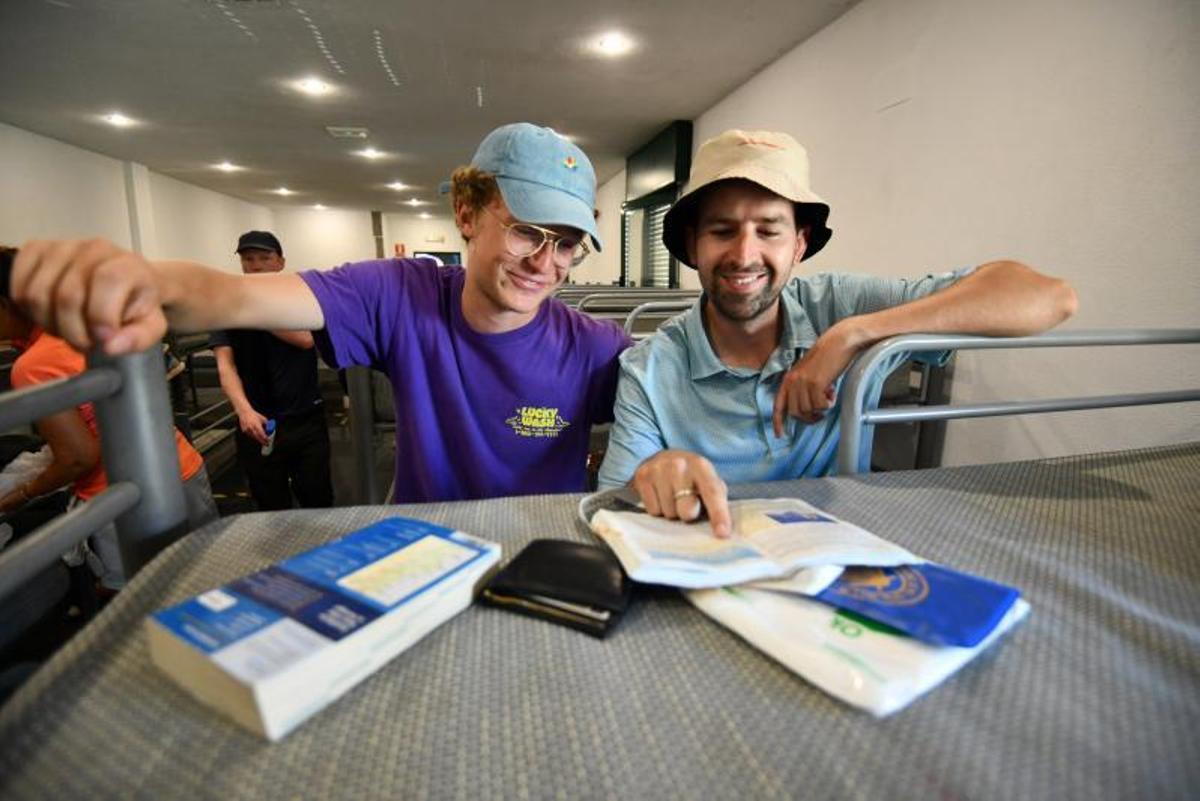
(928, 602)
(273, 648)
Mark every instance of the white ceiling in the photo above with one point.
(207, 79)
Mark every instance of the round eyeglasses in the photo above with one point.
(525, 240)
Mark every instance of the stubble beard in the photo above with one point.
(744, 308)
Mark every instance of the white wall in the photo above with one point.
(323, 238)
(438, 233)
(605, 267)
(199, 224)
(1063, 134)
(54, 190)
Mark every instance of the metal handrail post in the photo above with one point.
(33, 403)
(653, 306)
(23, 560)
(362, 435)
(854, 416)
(137, 440)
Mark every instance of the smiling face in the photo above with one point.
(744, 246)
(503, 292)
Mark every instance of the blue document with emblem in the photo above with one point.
(928, 602)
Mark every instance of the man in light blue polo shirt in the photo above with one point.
(743, 386)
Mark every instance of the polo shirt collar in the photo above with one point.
(702, 359)
(798, 331)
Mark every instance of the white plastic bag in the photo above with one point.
(864, 665)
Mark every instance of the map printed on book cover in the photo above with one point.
(274, 647)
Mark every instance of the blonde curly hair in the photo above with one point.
(473, 188)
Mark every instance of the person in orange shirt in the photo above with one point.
(75, 443)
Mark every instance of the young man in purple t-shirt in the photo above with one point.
(497, 384)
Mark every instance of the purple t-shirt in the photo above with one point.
(477, 415)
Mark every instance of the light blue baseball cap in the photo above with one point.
(544, 179)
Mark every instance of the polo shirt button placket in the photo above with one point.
(785, 359)
(765, 400)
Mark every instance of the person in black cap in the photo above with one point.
(270, 378)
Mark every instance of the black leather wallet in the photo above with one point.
(571, 583)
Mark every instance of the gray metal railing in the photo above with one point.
(362, 436)
(856, 419)
(625, 300)
(137, 442)
(574, 295)
(655, 307)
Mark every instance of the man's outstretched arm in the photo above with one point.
(93, 293)
(297, 339)
(1001, 298)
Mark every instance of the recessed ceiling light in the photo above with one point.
(118, 120)
(399, 186)
(414, 202)
(424, 215)
(370, 153)
(314, 87)
(319, 206)
(283, 190)
(226, 166)
(347, 131)
(613, 43)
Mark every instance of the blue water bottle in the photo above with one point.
(270, 446)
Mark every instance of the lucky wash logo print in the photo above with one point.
(537, 421)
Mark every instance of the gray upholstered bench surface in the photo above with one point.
(1096, 695)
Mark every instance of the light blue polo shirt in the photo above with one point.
(675, 393)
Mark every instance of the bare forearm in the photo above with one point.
(57, 475)
(231, 385)
(1001, 298)
(297, 339)
(198, 298)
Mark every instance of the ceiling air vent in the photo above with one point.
(347, 132)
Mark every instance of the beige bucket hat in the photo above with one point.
(774, 161)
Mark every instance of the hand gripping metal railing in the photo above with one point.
(137, 442)
(856, 418)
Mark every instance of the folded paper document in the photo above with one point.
(772, 539)
(275, 647)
